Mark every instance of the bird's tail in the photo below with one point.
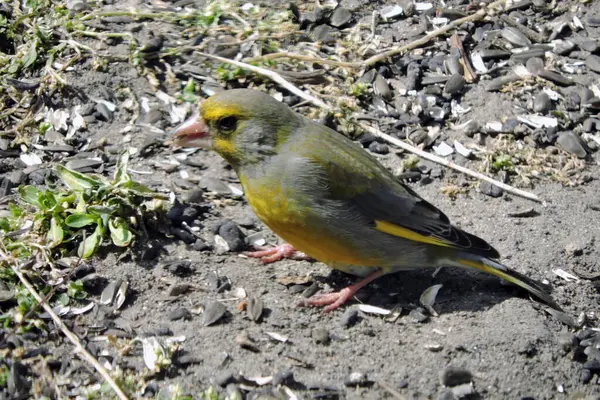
(495, 268)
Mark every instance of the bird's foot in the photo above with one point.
(336, 299)
(331, 300)
(270, 255)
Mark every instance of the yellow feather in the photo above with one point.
(224, 147)
(404, 233)
(211, 110)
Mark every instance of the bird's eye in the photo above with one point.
(228, 124)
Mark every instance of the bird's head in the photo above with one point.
(244, 126)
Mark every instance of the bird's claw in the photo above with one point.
(272, 254)
(331, 300)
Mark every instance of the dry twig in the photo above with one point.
(482, 13)
(79, 348)
(428, 156)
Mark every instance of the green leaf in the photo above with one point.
(56, 233)
(79, 220)
(62, 300)
(47, 200)
(76, 290)
(102, 210)
(31, 56)
(76, 180)
(121, 236)
(189, 92)
(30, 195)
(89, 246)
(121, 175)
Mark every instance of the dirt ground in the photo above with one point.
(511, 345)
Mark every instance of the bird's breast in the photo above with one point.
(295, 221)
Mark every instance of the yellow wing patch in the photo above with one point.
(404, 233)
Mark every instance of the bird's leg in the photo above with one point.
(272, 254)
(336, 299)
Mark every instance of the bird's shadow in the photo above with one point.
(461, 291)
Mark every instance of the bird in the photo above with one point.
(329, 199)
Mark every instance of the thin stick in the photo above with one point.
(393, 51)
(428, 156)
(80, 350)
(269, 74)
(449, 164)
(388, 388)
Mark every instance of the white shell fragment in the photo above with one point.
(30, 159)
(461, 149)
(565, 275)
(373, 310)
(391, 11)
(538, 121)
(494, 126)
(278, 337)
(443, 150)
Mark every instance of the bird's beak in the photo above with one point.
(193, 132)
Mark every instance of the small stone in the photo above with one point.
(82, 164)
(392, 11)
(490, 189)
(586, 376)
(446, 395)
(340, 17)
(515, 37)
(349, 318)
(418, 316)
(320, 335)
(571, 143)
(214, 185)
(255, 308)
(593, 62)
(283, 378)
(542, 103)
(233, 235)
(454, 85)
(535, 65)
(103, 113)
(379, 148)
(223, 378)
(368, 77)
(589, 45)
(180, 313)
(321, 33)
(592, 365)
(454, 376)
(357, 379)
(183, 235)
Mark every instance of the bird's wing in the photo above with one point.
(356, 178)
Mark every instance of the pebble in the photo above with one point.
(321, 33)
(589, 45)
(590, 125)
(593, 62)
(357, 379)
(446, 395)
(233, 235)
(283, 378)
(340, 17)
(183, 235)
(214, 185)
(542, 103)
(180, 313)
(379, 148)
(349, 318)
(490, 189)
(82, 164)
(514, 36)
(103, 113)
(223, 378)
(320, 335)
(181, 268)
(571, 143)
(454, 376)
(418, 316)
(535, 65)
(455, 85)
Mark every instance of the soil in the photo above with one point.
(512, 346)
